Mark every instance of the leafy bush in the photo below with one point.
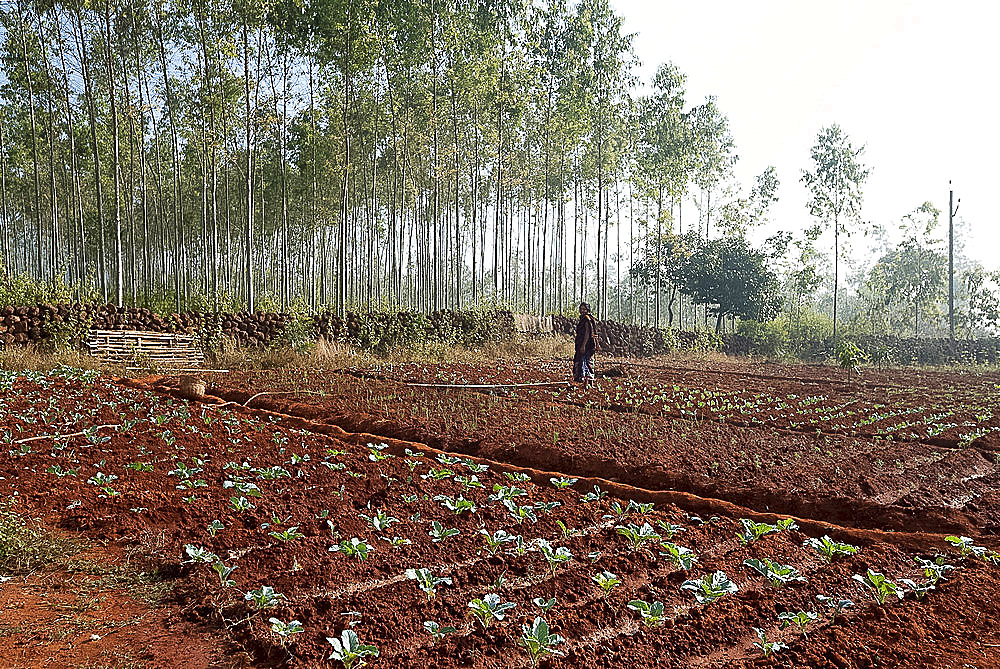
(768, 339)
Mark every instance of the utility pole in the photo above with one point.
(952, 210)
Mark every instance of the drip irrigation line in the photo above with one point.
(63, 436)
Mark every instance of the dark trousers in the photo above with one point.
(583, 367)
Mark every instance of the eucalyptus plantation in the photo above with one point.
(349, 154)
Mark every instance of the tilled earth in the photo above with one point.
(290, 490)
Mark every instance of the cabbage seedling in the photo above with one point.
(802, 620)
(544, 604)
(562, 482)
(469, 481)
(349, 649)
(437, 631)
(619, 512)
(651, 613)
(710, 587)
(642, 508)
(547, 507)
(437, 474)
(426, 581)
(215, 526)
(520, 513)
(439, 532)
(380, 521)
(353, 547)
(834, 607)
(291, 534)
(475, 467)
(242, 487)
(264, 597)
(490, 608)
(879, 586)
(606, 580)
(967, 547)
(594, 496)
(539, 641)
(920, 590)
(777, 574)
(935, 569)
(457, 506)
(272, 473)
(554, 556)
(753, 531)
(638, 535)
(200, 555)
(223, 571)
(377, 456)
(669, 529)
(682, 557)
(240, 504)
(502, 492)
(518, 477)
(567, 532)
(830, 549)
(496, 540)
(767, 647)
(285, 630)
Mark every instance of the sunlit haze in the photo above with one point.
(913, 81)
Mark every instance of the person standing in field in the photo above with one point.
(586, 346)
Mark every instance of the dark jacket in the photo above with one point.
(586, 335)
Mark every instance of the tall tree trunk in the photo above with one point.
(248, 231)
(116, 159)
(34, 144)
(95, 147)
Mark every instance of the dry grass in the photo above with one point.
(26, 546)
(324, 355)
(22, 358)
(335, 355)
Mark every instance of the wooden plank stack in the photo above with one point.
(160, 350)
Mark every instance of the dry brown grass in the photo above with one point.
(21, 358)
(324, 355)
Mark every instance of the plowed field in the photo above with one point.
(290, 506)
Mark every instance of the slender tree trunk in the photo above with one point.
(248, 232)
(95, 147)
(34, 144)
(116, 159)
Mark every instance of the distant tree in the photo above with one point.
(741, 214)
(835, 184)
(662, 267)
(914, 274)
(983, 290)
(730, 278)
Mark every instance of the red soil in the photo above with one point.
(328, 591)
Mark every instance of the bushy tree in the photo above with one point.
(731, 278)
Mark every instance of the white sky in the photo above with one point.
(916, 81)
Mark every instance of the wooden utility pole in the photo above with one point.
(952, 210)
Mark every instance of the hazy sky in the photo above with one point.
(915, 81)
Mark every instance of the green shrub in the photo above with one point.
(768, 339)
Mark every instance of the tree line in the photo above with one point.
(423, 153)
(418, 154)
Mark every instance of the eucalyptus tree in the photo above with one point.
(713, 149)
(665, 154)
(835, 183)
